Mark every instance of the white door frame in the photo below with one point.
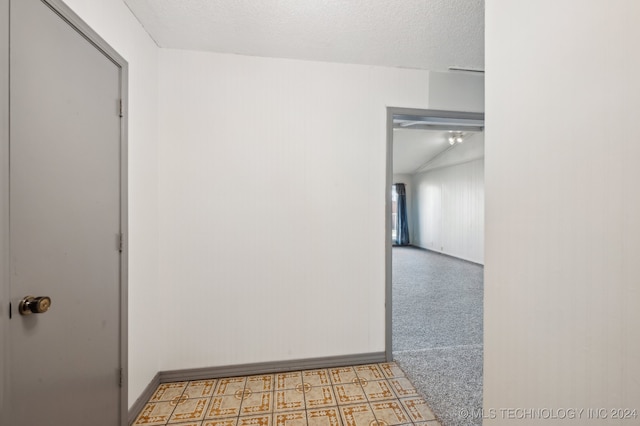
(79, 25)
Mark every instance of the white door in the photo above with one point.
(65, 223)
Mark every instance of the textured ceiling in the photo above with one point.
(425, 34)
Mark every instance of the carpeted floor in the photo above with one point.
(437, 330)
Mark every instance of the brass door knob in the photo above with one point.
(34, 305)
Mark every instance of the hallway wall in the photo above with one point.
(272, 177)
(562, 283)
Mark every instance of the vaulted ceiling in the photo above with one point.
(417, 151)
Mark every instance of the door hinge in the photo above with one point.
(120, 242)
(10, 312)
(120, 378)
(120, 107)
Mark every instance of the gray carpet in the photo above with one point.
(437, 330)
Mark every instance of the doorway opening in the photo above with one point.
(434, 283)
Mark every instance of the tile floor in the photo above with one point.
(364, 395)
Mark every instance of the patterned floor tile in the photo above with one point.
(263, 383)
(359, 381)
(364, 395)
(230, 386)
(403, 387)
(231, 421)
(155, 413)
(223, 406)
(259, 420)
(290, 418)
(289, 399)
(378, 390)
(369, 372)
(257, 403)
(200, 388)
(316, 377)
(342, 375)
(304, 387)
(168, 391)
(357, 415)
(418, 410)
(324, 417)
(320, 396)
(390, 412)
(391, 370)
(189, 409)
(349, 393)
(288, 380)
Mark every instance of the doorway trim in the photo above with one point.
(69, 16)
(391, 112)
(4, 208)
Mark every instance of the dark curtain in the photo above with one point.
(402, 227)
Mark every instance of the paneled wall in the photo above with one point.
(272, 206)
(448, 210)
(562, 283)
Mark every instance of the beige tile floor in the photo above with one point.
(363, 395)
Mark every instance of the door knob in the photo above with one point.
(34, 305)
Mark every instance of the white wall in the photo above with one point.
(448, 210)
(272, 177)
(562, 283)
(115, 23)
(456, 91)
(406, 179)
